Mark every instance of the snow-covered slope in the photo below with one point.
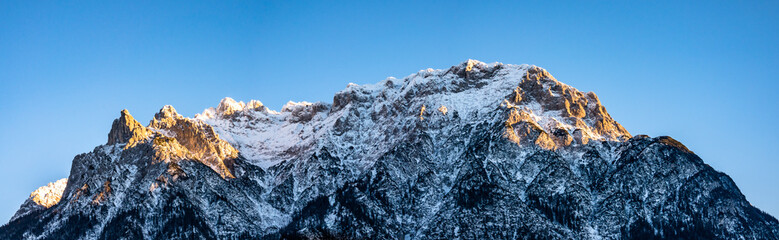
(474, 151)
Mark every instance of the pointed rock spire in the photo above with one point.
(125, 128)
(167, 112)
(165, 118)
(228, 106)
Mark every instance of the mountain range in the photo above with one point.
(475, 151)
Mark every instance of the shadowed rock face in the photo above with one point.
(476, 151)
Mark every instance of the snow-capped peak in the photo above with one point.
(228, 106)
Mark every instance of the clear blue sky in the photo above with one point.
(704, 73)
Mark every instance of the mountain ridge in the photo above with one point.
(473, 151)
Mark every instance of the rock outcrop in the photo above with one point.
(581, 115)
(42, 198)
(180, 138)
(126, 129)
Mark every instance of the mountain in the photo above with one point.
(494, 151)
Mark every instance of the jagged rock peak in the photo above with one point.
(474, 69)
(577, 117)
(50, 194)
(183, 138)
(167, 111)
(253, 104)
(42, 198)
(580, 114)
(125, 128)
(228, 106)
(538, 73)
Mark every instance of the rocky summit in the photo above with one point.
(475, 151)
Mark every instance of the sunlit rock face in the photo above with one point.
(474, 151)
(126, 129)
(574, 115)
(42, 198)
(181, 138)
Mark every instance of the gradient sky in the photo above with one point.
(704, 73)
